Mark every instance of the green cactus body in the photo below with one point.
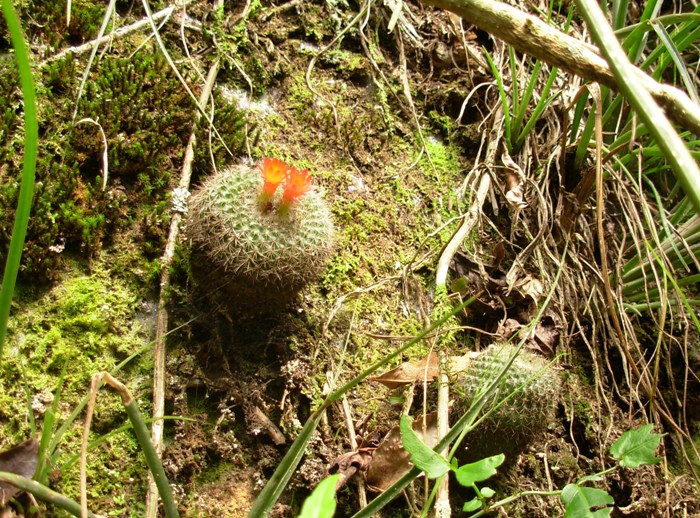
(521, 417)
(254, 245)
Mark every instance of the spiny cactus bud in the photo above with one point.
(520, 418)
(266, 244)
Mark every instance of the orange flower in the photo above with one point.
(273, 171)
(297, 184)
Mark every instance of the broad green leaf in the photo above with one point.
(478, 471)
(581, 502)
(472, 505)
(636, 447)
(422, 457)
(321, 502)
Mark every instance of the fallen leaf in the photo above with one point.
(547, 333)
(21, 460)
(391, 461)
(410, 372)
(420, 371)
(514, 182)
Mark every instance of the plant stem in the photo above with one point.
(43, 493)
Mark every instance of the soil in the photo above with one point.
(396, 171)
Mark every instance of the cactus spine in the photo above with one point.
(257, 235)
(534, 385)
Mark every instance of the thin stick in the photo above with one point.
(162, 318)
(347, 413)
(469, 223)
(122, 31)
(442, 500)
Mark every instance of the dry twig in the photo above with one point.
(162, 318)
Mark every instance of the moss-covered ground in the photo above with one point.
(392, 171)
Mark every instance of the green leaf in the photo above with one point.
(422, 457)
(636, 447)
(472, 505)
(581, 501)
(321, 502)
(487, 492)
(484, 469)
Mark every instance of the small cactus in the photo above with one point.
(525, 414)
(262, 239)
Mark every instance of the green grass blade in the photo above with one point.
(43, 493)
(516, 101)
(154, 464)
(678, 61)
(520, 109)
(542, 104)
(285, 469)
(46, 449)
(684, 36)
(579, 110)
(507, 128)
(73, 459)
(674, 149)
(26, 190)
(635, 42)
(665, 20)
(619, 13)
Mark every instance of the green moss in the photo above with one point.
(349, 65)
(443, 123)
(301, 98)
(339, 271)
(48, 21)
(83, 324)
(446, 160)
(233, 127)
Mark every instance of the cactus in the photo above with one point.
(525, 414)
(262, 240)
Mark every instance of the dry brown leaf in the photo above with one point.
(22, 460)
(425, 369)
(514, 182)
(390, 461)
(543, 338)
(410, 372)
(547, 333)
